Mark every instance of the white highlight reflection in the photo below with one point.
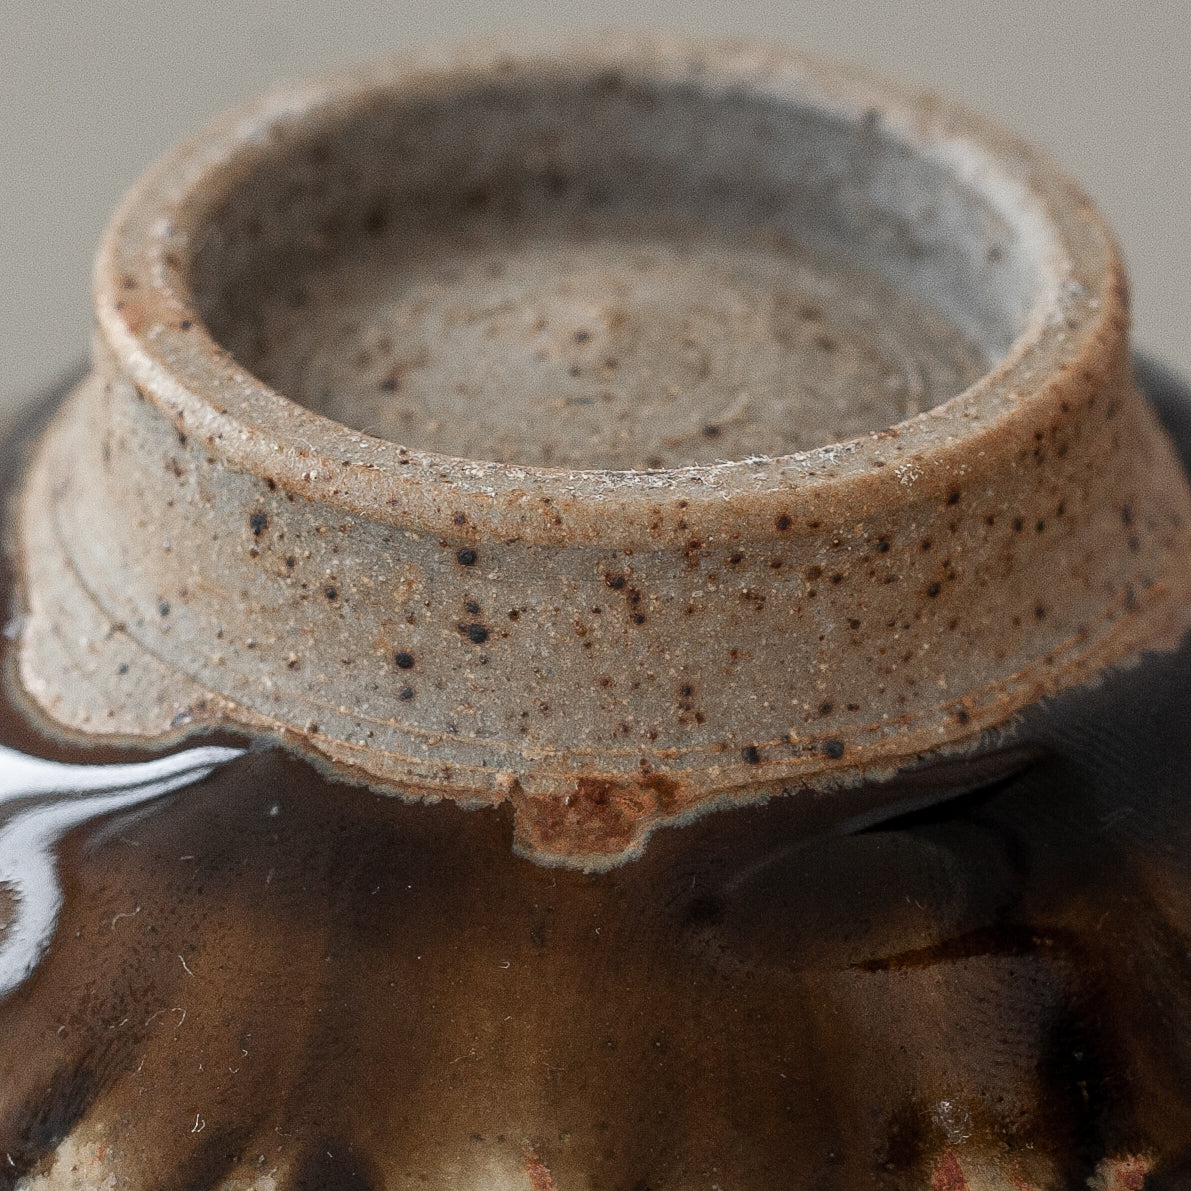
(28, 866)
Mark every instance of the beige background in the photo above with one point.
(92, 90)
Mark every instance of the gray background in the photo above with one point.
(92, 90)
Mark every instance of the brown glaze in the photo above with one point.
(271, 975)
(275, 981)
(743, 249)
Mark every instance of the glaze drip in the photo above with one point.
(44, 800)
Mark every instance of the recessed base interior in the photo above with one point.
(602, 344)
(610, 272)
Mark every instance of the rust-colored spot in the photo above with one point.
(598, 816)
(949, 1175)
(1123, 1174)
(540, 1178)
(134, 315)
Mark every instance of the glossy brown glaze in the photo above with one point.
(270, 980)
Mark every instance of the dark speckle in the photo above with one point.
(477, 634)
(376, 220)
(405, 694)
(616, 582)
(934, 589)
(332, 1162)
(466, 557)
(404, 661)
(472, 607)
(332, 593)
(258, 522)
(834, 749)
(40, 1127)
(783, 522)
(703, 911)
(751, 754)
(163, 608)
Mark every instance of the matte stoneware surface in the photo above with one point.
(814, 444)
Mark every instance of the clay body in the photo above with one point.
(672, 646)
(593, 256)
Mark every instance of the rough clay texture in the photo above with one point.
(663, 620)
(621, 346)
